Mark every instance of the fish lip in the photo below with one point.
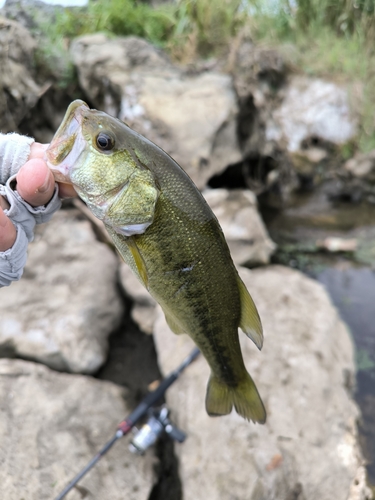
(68, 143)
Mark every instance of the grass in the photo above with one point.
(333, 39)
(209, 24)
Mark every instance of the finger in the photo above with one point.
(35, 182)
(4, 203)
(37, 150)
(8, 232)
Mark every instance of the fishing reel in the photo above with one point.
(157, 423)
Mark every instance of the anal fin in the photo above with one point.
(250, 322)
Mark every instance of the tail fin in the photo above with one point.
(220, 399)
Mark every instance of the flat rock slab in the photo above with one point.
(65, 306)
(308, 449)
(52, 424)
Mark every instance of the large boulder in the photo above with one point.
(312, 109)
(308, 448)
(65, 306)
(288, 124)
(190, 116)
(19, 90)
(52, 424)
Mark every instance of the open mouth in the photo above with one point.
(67, 144)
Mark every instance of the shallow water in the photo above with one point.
(348, 278)
(353, 292)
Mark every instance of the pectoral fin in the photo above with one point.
(250, 321)
(138, 259)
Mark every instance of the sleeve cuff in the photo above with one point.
(13, 261)
(14, 152)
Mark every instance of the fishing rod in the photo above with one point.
(158, 422)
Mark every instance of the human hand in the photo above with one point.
(35, 184)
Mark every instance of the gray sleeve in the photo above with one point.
(13, 260)
(14, 152)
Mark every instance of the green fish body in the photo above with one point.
(164, 229)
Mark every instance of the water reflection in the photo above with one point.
(353, 293)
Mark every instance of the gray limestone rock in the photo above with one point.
(19, 90)
(312, 109)
(242, 225)
(192, 117)
(51, 425)
(144, 310)
(65, 306)
(362, 167)
(308, 449)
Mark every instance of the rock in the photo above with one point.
(287, 124)
(143, 311)
(334, 244)
(31, 14)
(357, 179)
(258, 73)
(308, 448)
(306, 161)
(312, 109)
(243, 228)
(65, 306)
(52, 424)
(19, 90)
(192, 117)
(362, 166)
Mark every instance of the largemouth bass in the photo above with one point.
(164, 229)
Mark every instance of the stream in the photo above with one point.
(303, 231)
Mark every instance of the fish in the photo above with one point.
(165, 231)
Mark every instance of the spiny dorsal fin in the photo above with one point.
(250, 321)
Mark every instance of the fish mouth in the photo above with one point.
(68, 143)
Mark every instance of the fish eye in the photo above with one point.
(105, 142)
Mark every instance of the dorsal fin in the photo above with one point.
(250, 321)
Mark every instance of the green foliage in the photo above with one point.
(210, 23)
(344, 16)
(129, 17)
